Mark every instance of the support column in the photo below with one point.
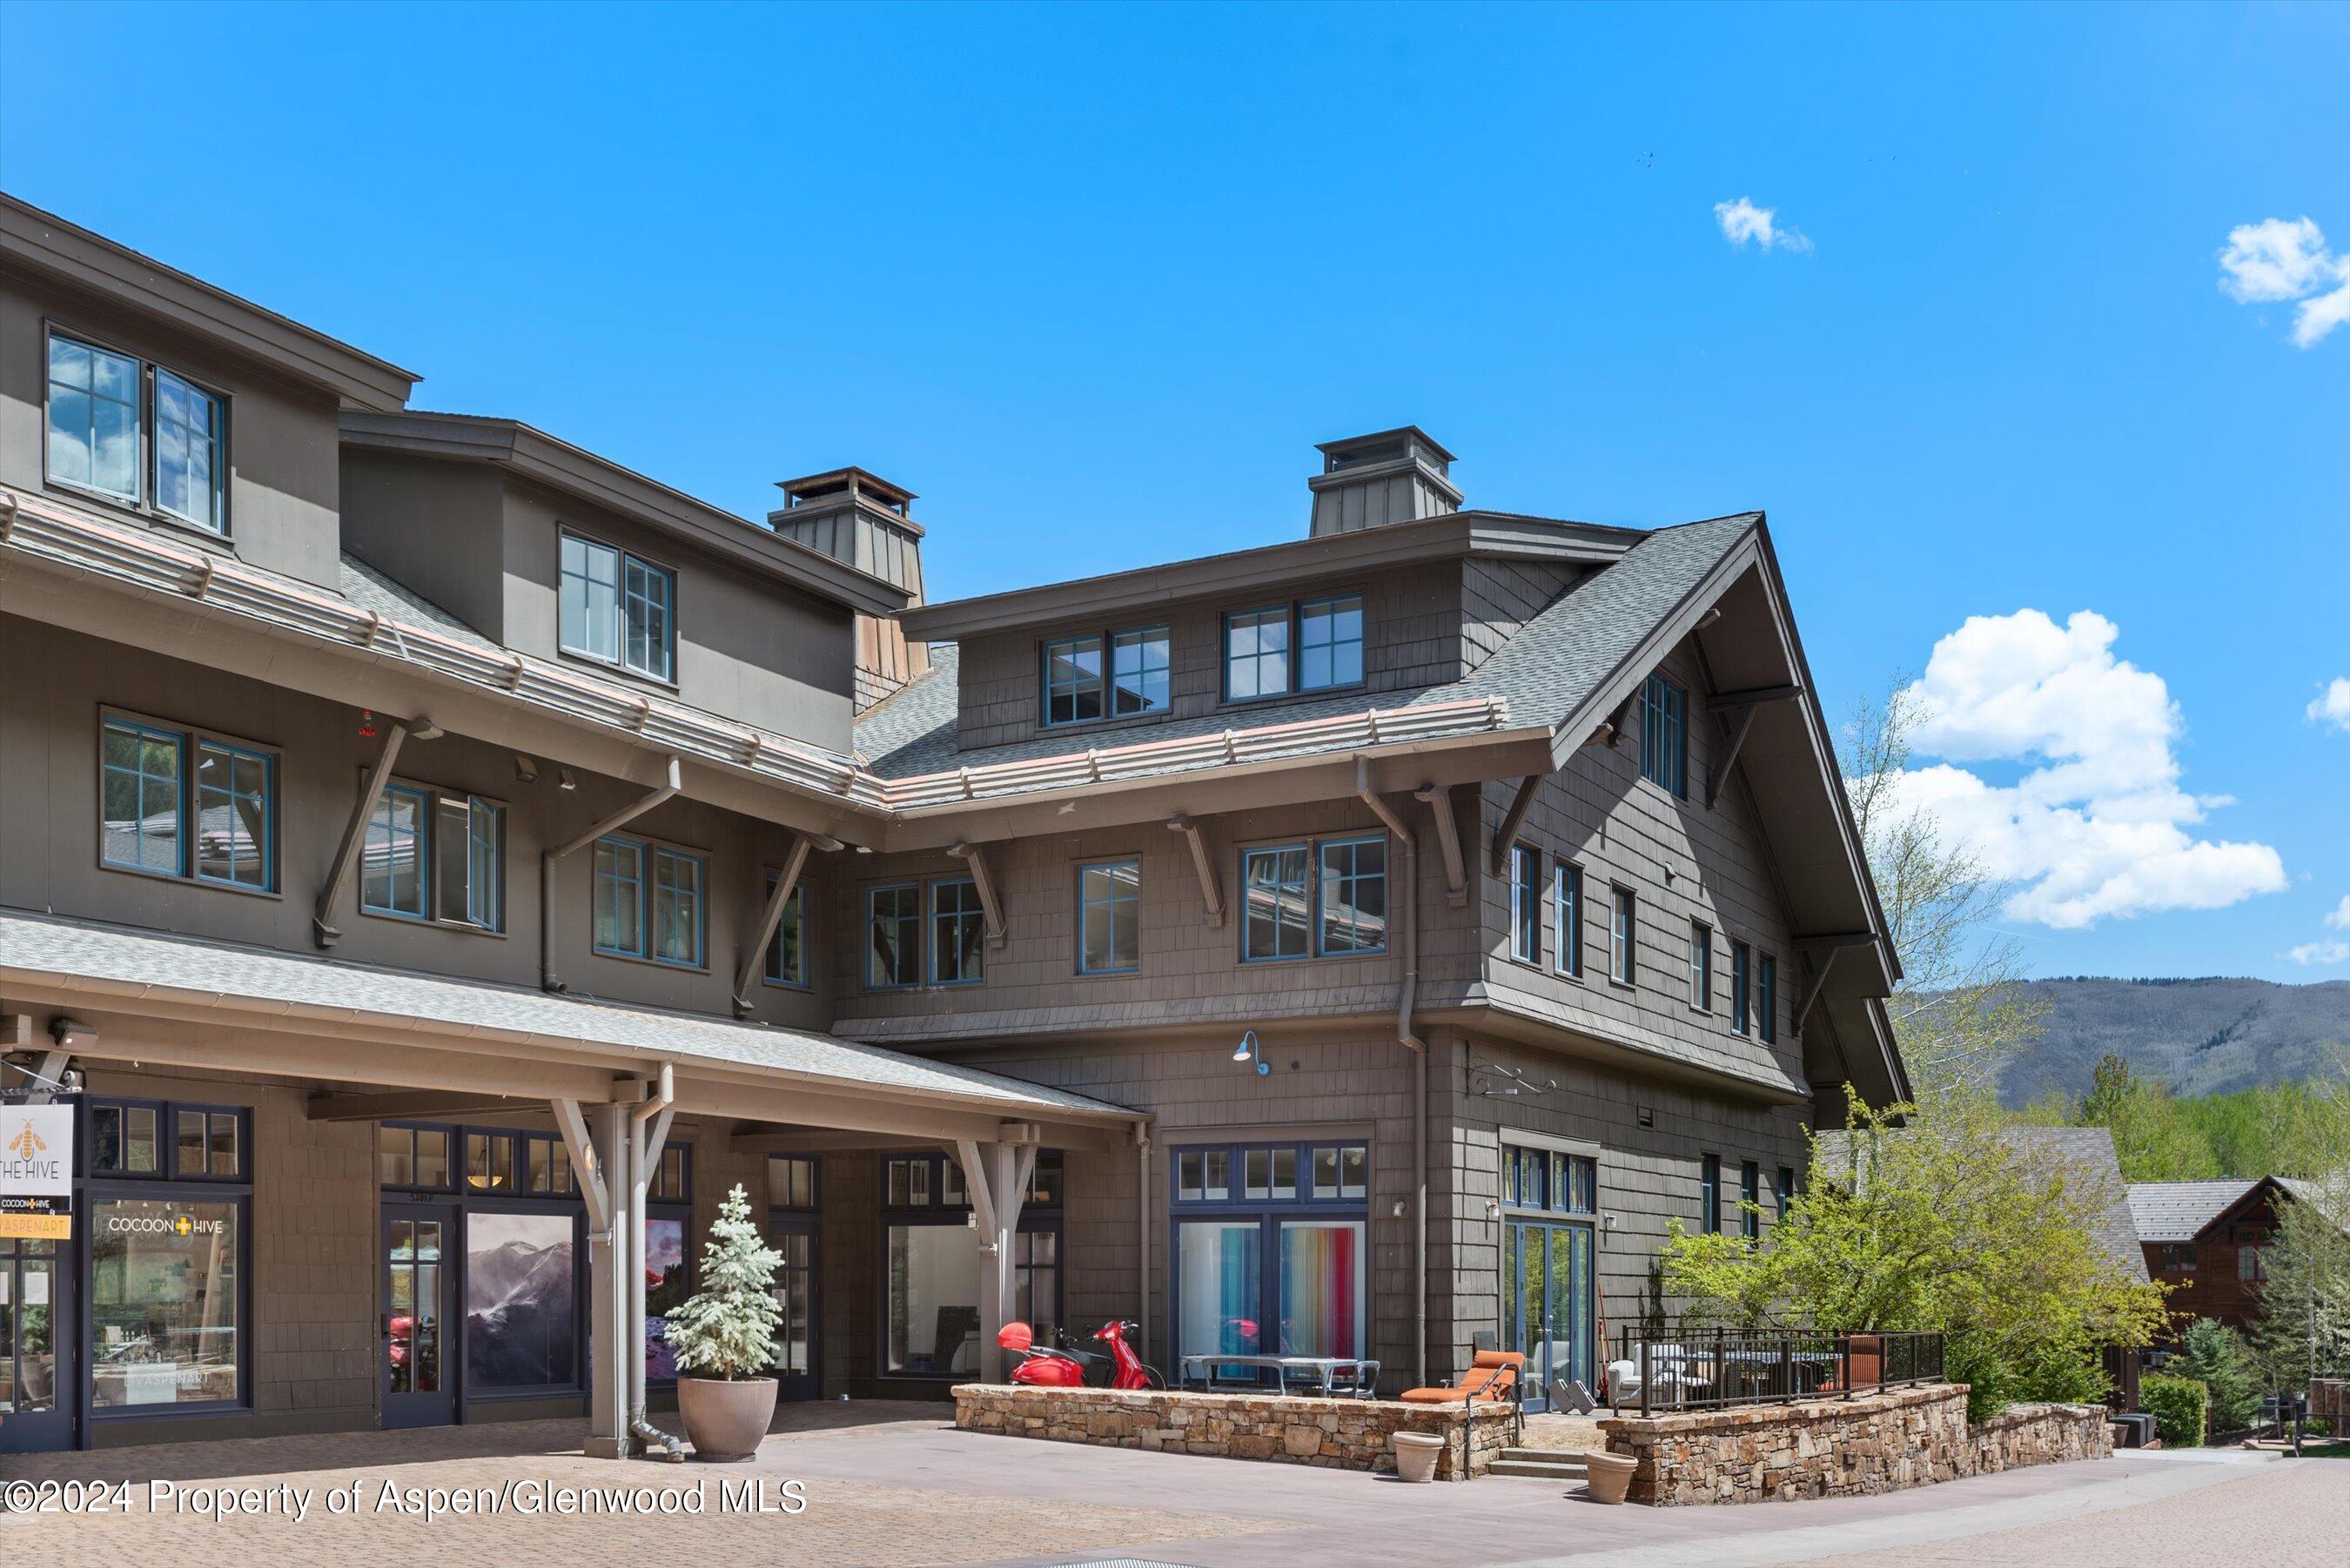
(607, 1290)
(997, 1176)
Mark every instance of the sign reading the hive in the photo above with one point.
(36, 1161)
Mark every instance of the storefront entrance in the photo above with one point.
(37, 1374)
(1547, 1304)
(418, 1291)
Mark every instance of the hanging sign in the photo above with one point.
(37, 1162)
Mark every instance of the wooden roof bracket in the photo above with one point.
(322, 926)
(1822, 952)
(1211, 892)
(1504, 835)
(1743, 705)
(1447, 837)
(975, 856)
(755, 951)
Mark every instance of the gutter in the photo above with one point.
(1406, 996)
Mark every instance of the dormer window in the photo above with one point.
(135, 432)
(618, 609)
(1077, 690)
(1314, 645)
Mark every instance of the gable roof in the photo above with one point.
(2175, 1212)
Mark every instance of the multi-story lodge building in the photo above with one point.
(440, 863)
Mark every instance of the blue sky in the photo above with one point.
(1094, 281)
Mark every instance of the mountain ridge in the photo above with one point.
(2203, 1034)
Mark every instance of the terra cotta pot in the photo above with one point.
(725, 1419)
(1607, 1476)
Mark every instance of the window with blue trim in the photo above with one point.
(1550, 1180)
(1750, 1200)
(787, 955)
(957, 932)
(1109, 918)
(1311, 645)
(395, 866)
(1525, 903)
(433, 855)
(1073, 681)
(617, 608)
(1742, 964)
(1700, 966)
(1709, 1195)
(1664, 733)
(214, 823)
(649, 902)
(1785, 1191)
(1274, 897)
(1352, 896)
(893, 921)
(1324, 898)
(1622, 931)
(1079, 689)
(1270, 1250)
(1766, 998)
(1330, 642)
(1256, 653)
(135, 432)
(1568, 896)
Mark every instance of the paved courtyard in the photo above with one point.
(892, 1484)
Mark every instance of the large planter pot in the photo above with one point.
(1608, 1477)
(1415, 1454)
(725, 1420)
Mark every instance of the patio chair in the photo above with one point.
(1494, 1376)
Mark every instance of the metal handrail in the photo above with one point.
(1722, 1368)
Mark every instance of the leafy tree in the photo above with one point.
(2274, 1129)
(1959, 1012)
(727, 1328)
(2304, 1328)
(1945, 1224)
(2215, 1357)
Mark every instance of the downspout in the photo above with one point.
(547, 977)
(1142, 1236)
(641, 1157)
(1406, 998)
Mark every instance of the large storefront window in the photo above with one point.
(931, 1318)
(668, 1281)
(166, 1311)
(1276, 1262)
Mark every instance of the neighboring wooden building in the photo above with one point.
(2207, 1242)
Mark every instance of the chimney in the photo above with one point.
(861, 520)
(1394, 476)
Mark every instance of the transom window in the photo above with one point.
(788, 954)
(1664, 733)
(1313, 645)
(1109, 916)
(432, 855)
(1549, 1179)
(215, 822)
(649, 902)
(1077, 690)
(618, 608)
(1326, 896)
(109, 413)
(791, 1181)
(1569, 897)
(169, 1140)
(1525, 903)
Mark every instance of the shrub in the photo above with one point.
(2177, 1405)
(2215, 1357)
(727, 1329)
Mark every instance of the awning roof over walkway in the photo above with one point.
(543, 1044)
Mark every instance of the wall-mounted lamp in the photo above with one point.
(1396, 1212)
(565, 781)
(525, 769)
(1250, 1050)
(1492, 1209)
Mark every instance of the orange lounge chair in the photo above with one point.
(1492, 1377)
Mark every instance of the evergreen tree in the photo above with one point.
(2215, 1357)
(727, 1329)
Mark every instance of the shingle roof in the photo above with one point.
(48, 947)
(2178, 1211)
(1549, 669)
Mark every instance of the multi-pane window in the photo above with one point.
(1549, 1179)
(1270, 1249)
(1109, 916)
(791, 1181)
(419, 1156)
(167, 1140)
(489, 1160)
(215, 822)
(618, 609)
(649, 902)
(932, 1265)
(1664, 733)
(787, 952)
(1620, 934)
(1077, 687)
(1750, 1200)
(546, 1166)
(1269, 1173)
(672, 1179)
(1328, 898)
(893, 919)
(958, 929)
(1766, 997)
(107, 411)
(1708, 1194)
(1525, 903)
(1700, 954)
(435, 855)
(1341, 1170)
(1741, 965)
(1567, 895)
(1316, 644)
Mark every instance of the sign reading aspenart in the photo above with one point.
(37, 1159)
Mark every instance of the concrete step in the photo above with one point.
(1543, 1464)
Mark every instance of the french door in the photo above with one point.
(797, 1371)
(420, 1242)
(37, 1369)
(1548, 1303)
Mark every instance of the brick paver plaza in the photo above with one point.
(890, 1484)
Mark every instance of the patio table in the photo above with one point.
(1361, 1374)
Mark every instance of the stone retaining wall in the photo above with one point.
(1337, 1434)
(1843, 1448)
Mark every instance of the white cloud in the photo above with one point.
(2095, 824)
(1742, 221)
(2332, 706)
(2320, 953)
(2274, 261)
(2339, 917)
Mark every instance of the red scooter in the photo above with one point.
(1065, 1367)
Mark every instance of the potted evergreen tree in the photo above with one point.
(724, 1339)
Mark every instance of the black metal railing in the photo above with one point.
(1714, 1369)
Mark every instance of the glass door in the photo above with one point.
(419, 1376)
(797, 1371)
(36, 1339)
(1547, 1306)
